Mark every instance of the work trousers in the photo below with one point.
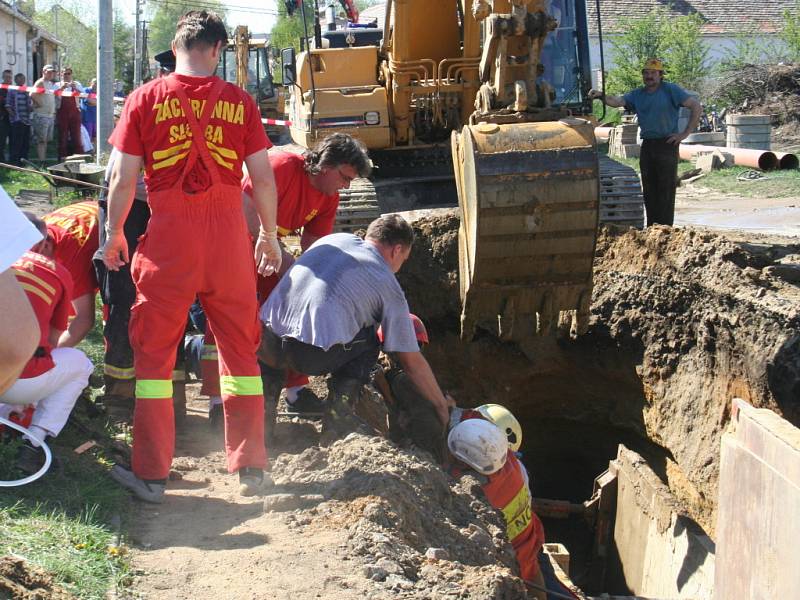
(68, 119)
(5, 135)
(196, 245)
(19, 143)
(119, 293)
(54, 392)
(659, 164)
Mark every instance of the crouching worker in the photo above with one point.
(323, 316)
(53, 378)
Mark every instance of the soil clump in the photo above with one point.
(22, 581)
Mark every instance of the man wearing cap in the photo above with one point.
(44, 111)
(657, 105)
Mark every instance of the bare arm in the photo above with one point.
(420, 373)
(81, 324)
(614, 101)
(265, 202)
(697, 110)
(19, 330)
(122, 188)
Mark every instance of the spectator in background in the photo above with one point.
(19, 106)
(119, 92)
(89, 111)
(5, 123)
(44, 111)
(68, 116)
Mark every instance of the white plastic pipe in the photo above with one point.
(48, 457)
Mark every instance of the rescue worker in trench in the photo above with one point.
(308, 196)
(73, 234)
(323, 316)
(118, 294)
(192, 131)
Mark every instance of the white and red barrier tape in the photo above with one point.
(40, 90)
(276, 122)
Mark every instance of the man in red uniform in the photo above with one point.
(191, 132)
(54, 377)
(308, 195)
(73, 231)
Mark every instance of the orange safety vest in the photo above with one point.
(508, 491)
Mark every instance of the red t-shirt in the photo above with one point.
(48, 286)
(300, 204)
(154, 127)
(75, 234)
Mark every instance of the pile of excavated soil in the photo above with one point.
(21, 581)
(682, 322)
(414, 531)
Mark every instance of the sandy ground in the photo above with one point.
(205, 541)
(703, 207)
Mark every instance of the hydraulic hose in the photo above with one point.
(48, 457)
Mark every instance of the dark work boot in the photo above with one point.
(119, 398)
(340, 419)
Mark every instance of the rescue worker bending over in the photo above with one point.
(73, 231)
(308, 196)
(191, 132)
(54, 377)
(322, 317)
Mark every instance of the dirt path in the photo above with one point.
(206, 541)
(700, 206)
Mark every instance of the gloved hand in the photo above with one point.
(268, 252)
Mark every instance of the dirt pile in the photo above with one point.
(21, 581)
(412, 531)
(682, 321)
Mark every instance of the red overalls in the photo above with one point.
(195, 244)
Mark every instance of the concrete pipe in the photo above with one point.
(787, 160)
(602, 133)
(743, 157)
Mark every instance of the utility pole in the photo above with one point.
(137, 48)
(105, 76)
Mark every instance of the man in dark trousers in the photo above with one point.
(657, 105)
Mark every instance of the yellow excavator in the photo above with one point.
(505, 82)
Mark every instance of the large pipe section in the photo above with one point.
(787, 160)
(744, 157)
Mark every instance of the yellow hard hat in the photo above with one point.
(505, 421)
(655, 64)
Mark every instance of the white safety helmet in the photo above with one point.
(506, 421)
(480, 444)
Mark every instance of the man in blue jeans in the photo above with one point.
(323, 317)
(657, 105)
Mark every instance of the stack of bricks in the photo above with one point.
(622, 142)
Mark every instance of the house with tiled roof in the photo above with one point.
(724, 21)
(28, 47)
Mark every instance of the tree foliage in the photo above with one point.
(791, 32)
(79, 50)
(123, 50)
(165, 15)
(675, 39)
(288, 30)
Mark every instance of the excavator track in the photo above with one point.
(621, 200)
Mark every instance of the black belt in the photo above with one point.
(40, 352)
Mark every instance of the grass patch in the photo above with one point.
(775, 184)
(69, 521)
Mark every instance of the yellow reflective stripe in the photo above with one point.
(159, 154)
(154, 388)
(118, 372)
(36, 279)
(221, 161)
(282, 231)
(35, 290)
(234, 385)
(169, 161)
(518, 513)
(226, 152)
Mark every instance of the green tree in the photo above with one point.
(123, 50)
(677, 40)
(288, 30)
(161, 29)
(74, 33)
(791, 32)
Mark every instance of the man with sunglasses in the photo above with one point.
(68, 116)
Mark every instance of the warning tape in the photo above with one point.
(276, 122)
(40, 90)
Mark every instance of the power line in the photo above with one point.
(244, 9)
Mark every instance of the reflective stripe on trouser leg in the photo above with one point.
(153, 429)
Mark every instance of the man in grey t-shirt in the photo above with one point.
(323, 315)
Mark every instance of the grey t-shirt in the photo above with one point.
(340, 285)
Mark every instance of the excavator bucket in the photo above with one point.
(529, 197)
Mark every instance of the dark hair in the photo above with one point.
(6, 71)
(200, 28)
(391, 230)
(19, 76)
(338, 149)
